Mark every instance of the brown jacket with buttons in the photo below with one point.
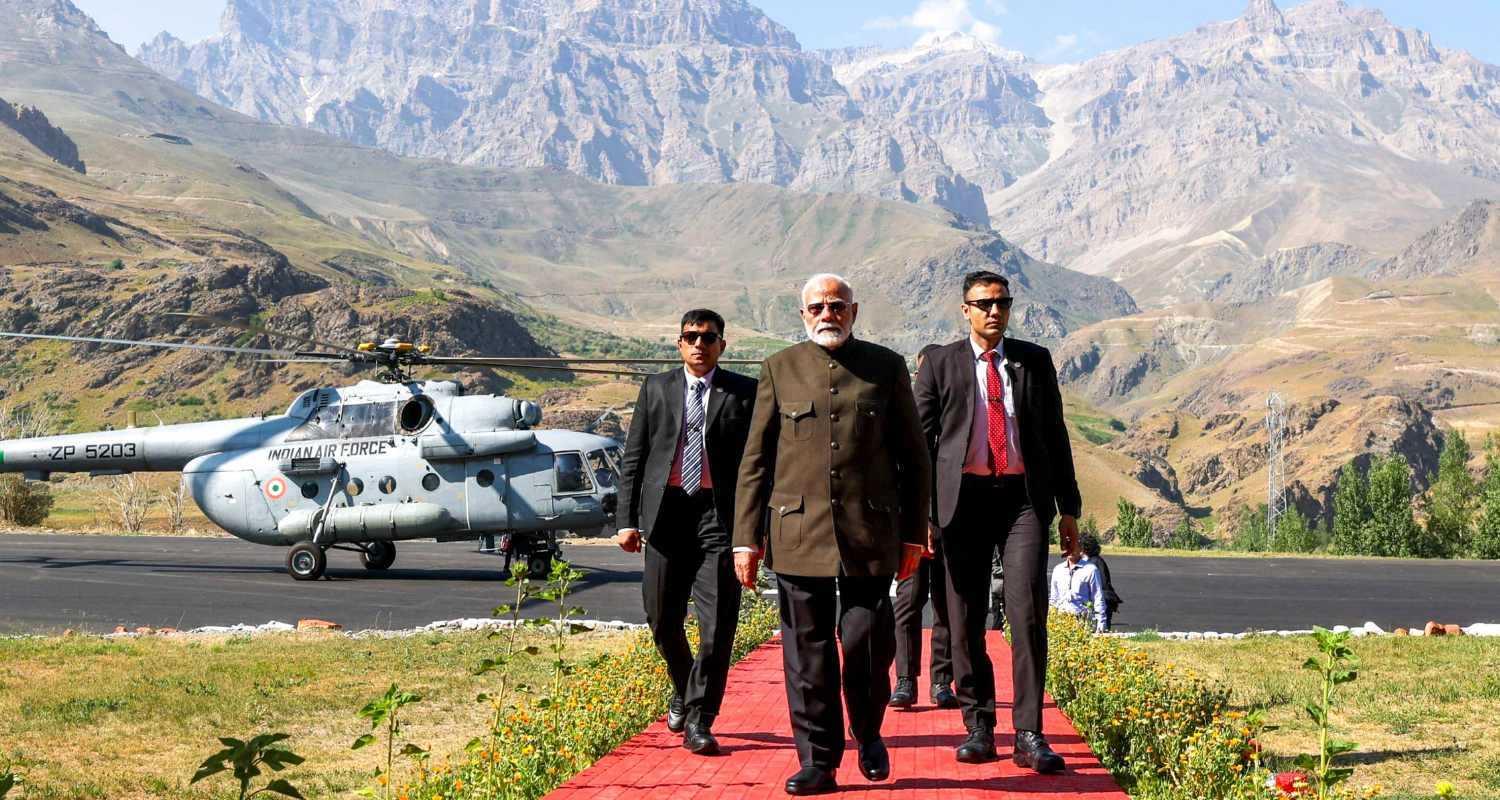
(836, 475)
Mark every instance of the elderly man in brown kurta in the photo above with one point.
(833, 494)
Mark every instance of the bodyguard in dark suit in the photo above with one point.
(1004, 468)
(931, 578)
(833, 494)
(678, 480)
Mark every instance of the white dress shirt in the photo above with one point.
(1078, 589)
(674, 478)
(977, 459)
(687, 397)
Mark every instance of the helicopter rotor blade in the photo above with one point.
(249, 327)
(494, 363)
(145, 343)
(339, 360)
(561, 360)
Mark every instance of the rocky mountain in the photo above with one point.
(33, 126)
(1289, 269)
(634, 92)
(602, 256)
(1177, 163)
(1194, 167)
(1470, 240)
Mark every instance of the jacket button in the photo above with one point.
(833, 390)
(832, 364)
(834, 445)
(834, 473)
(835, 502)
(833, 417)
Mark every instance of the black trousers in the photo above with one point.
(931, 578)
(997, 512)
(688, 557)
(859, 610)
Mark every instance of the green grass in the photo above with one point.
(1422, 709)
(86, 717)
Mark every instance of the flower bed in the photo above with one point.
(1162, 732)
(545, 741)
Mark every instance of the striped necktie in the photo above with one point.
(692, 440)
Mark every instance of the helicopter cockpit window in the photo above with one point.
(415, 414)
(572, 477)
(603, 469)
(313, 429)
(357, 421)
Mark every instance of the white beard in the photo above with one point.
(829, 336)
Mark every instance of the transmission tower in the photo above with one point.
(1275, 466)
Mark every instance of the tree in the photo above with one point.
(1250, 533)
(1452, 503)
(1351, 511)
(1293, 534)
(1185, 536)
(1132, 528)
(1393, 526)
(1486, 540)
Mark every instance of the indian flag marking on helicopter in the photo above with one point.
(276, 488)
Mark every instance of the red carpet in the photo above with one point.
(758, 754)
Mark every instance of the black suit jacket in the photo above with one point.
(651, 444)
(945, 403)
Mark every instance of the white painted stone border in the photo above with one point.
(275, 626)
(1368, 629)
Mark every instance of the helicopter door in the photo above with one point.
(528, 491)
(485, 482)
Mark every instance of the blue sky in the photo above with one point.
(1048, 30)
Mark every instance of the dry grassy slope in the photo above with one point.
(1435, 341)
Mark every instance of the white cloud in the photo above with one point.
(945, 16)
(1066, 41)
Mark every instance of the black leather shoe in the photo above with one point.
(874, 760)
(1032, 752)
(905, 693)
(700, 740)
(978, 747)
(676, 715)
(943, 696)
(811, 780)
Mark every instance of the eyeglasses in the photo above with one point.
(837, 307)
(692, 337)
(985, 305)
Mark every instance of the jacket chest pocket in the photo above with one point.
(797, 418)
(869, 415)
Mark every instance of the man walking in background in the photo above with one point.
(833, 495)
(678, 478)
(911, 597)
(1003, 469)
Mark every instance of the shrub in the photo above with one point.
(1185, 536)
(24, 502)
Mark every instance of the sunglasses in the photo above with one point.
(837, 307)
(692, 337)
(985, 305)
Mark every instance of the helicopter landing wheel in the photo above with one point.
(539, 566)
(306, 561)
(378, 555)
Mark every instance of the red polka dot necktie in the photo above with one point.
(995, 394)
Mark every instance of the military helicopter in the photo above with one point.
(362, 467)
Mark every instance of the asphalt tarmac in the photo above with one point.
(49, 583)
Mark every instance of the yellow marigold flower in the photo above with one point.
(458, 785)
(1444, 789)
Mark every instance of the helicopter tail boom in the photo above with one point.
(164, 448)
